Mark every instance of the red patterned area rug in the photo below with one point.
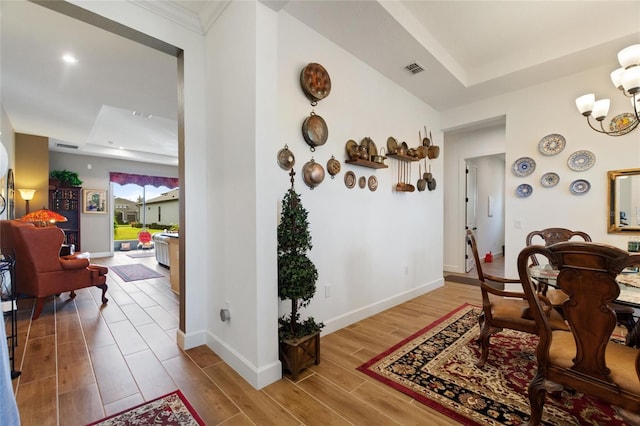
(169, 410)
(436, 366)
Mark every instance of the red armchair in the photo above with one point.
(40, 271)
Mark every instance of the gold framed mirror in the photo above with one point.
(624, 200)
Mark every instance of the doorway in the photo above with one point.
(471, 203)
(485, 207)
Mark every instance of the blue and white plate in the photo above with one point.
(581, 160)
(549, 179)
(579, 187)
(524, 190)
(552, 144)
(523, 166)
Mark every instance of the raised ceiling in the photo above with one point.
(469, 50)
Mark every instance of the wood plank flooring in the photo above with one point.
(81, 362)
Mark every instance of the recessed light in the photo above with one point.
(69, 58)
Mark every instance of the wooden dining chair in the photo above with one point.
(557, 297)
(552, 236)
(501, 308)
(583, 357)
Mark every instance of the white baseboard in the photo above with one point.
(265, 375)
(257, 377)
(349, 318)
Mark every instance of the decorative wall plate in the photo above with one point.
(549, 179)
(350, 179)
(523, 166)
(524, 190)
(579, 187)
(373, 183)
(350, 145)
(581, 160)
(372, 149)
(620, 123)
(362, 182)
(392, 145)
(552, 144)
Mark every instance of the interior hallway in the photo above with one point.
(81, 362)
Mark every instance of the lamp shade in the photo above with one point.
(585, 103)
(629, 56)
(630, 79)
(600, 109)
(43, 216)
(616, 77)
(27, 194)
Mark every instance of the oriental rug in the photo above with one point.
(169, 410)
(436, 366)
(134, 272)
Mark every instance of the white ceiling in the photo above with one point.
(469, 49)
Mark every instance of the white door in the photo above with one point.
(471, 202)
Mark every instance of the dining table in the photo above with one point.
(629, 283)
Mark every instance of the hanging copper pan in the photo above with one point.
(312, 173)
(315, 82)
(315, 131)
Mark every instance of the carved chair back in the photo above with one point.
(583, 357)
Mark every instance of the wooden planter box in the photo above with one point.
(298, 354)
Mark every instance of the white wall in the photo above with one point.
(531, 114)
(372, 249)
(242, 89)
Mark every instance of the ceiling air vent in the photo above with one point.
(64, 145)
(414, 68)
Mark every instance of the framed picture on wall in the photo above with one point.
(94, 201)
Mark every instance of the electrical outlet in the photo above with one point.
(517, 224)
(327, 291)
(406, 271)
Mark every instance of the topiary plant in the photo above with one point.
(297, 275)
(66, 178)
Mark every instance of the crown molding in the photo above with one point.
(210, 13)
(173, 12)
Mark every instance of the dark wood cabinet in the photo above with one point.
(67, 202)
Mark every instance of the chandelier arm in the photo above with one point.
(619, 132)
(595, 128)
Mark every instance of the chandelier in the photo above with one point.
(627, 79)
